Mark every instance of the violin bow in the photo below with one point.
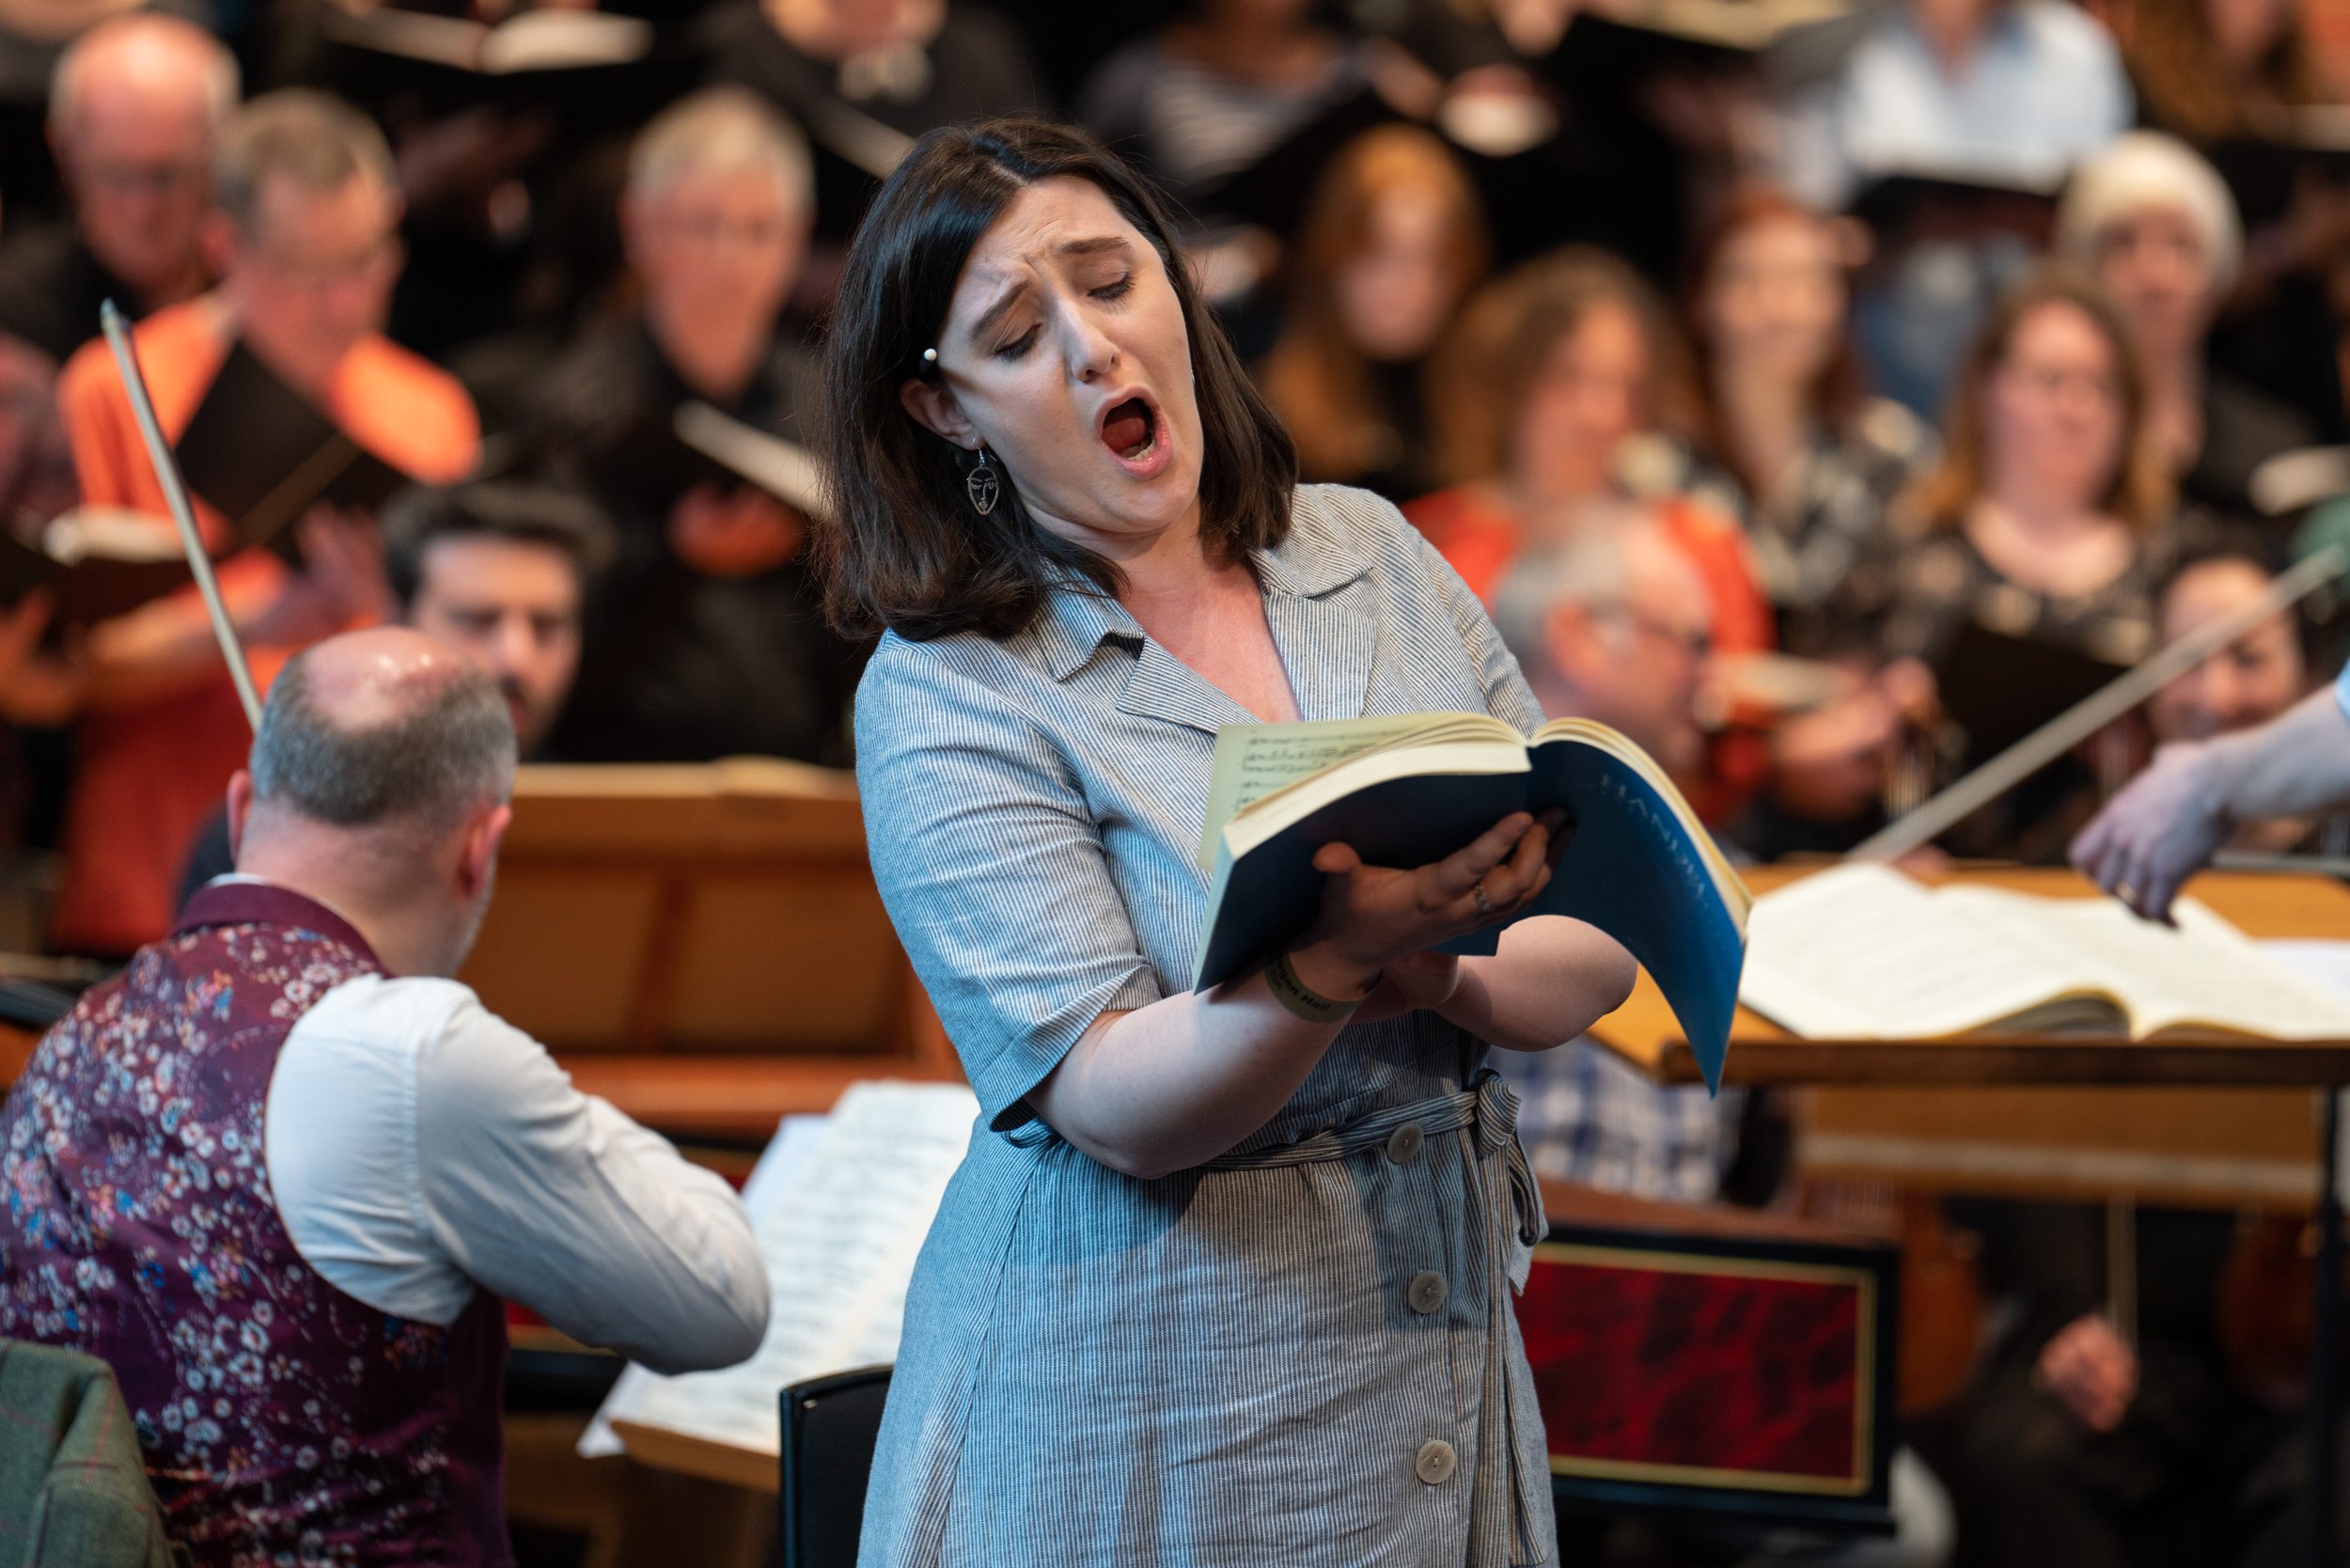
(2092, 712)
(182, 510)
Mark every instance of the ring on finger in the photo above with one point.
(1484, 904)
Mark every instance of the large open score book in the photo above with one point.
(842, 1204)
(1411, 788)
(1863, 952)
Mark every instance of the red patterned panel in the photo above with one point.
(1674, 1367)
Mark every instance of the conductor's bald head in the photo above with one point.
(378, 785)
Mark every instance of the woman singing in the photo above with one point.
(1225, 1277)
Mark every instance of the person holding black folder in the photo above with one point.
(1225, 1275)
(305, 229)
(2024, 566)
(704, 637)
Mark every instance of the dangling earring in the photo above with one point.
(982, 484)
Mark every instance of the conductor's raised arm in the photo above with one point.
(2170, 821)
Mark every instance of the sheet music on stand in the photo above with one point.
(842, 1204)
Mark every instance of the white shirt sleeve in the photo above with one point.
(418, 1146)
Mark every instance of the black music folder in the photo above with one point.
(263, 454)
(92, 568)
(2000, 688)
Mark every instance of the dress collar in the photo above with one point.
(1308, 562)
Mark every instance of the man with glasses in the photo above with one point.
(705, 638)
(1612, 626)
(303, 237)
(136, 108)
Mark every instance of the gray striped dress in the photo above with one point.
(1303, 1354)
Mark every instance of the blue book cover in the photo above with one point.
(1638, 867)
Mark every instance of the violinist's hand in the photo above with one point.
(2160, 830)
(739, 533)
(2090, 1372)
(1374, 916)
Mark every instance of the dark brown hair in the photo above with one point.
(1506, 335)
(902, 547)
(1316, 376)
(1836, 395)
(2139, 491)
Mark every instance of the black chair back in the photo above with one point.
(829, 1428)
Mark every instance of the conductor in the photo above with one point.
(2172, 818)
(1225, 1275)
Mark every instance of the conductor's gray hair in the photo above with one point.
(719, 131)
(144, 44)
(446, 751)
(312, 138)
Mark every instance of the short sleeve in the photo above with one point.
(1506, 695)
(2341, 691)
(993, 870)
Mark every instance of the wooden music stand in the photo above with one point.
(1949, 1083)
(702, 944)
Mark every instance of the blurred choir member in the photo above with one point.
(705, 638)
(2048, 521)
(1216, 88)
(282, 1174)
(1612, 625)
(304, 236)
(2156, 225)
(1391, 244)
(1815, 460)
(2211, 70)
(2004, 91)
(866, 77)
(1552, 372)
(136, 108)
(499, 570)
(36, 480)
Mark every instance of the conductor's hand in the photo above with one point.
(2155, 834)
(2090, 1372)
(1375, 915)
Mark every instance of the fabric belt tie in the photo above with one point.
(1488, 1107)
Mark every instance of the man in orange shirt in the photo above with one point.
(304, 239)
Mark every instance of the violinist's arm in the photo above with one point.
(2167, 826)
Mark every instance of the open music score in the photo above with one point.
(1862, 951)
(2262, 907)
(842, 1204)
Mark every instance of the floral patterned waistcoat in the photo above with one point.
(282, 1420)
